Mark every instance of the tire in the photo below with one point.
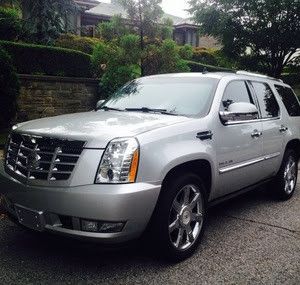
(286, 179)
(179, 218)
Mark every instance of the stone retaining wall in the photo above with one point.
(44, 96)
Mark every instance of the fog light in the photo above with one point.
(111, 227)
(89, 226)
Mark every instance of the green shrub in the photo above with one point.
(171, 60)
(151, 59)
(205, 56)
(9, 86)
(117, 64)
(186, 52)
(166, 29)
(225, 61)
(10, 23)
(200, 67)
(84, 44)
(116, 76)
(114, 29)
(164, 58)
(104, 56)
(38, 59)
(130, 45)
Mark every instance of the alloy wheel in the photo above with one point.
(290, 175)
(186, 217)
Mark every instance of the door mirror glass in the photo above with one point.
(99, 103)
(240, 111)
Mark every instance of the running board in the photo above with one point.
(237, 193)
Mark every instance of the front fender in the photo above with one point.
(160, 157)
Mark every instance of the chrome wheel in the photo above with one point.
(186, 217)
(290, 175)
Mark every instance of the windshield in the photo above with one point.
(173, 95)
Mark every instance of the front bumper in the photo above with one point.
(132, 204)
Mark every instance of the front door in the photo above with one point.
(239, 145)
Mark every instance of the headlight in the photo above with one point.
(119, 163)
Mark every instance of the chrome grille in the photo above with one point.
(41, 158)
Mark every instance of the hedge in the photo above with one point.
(45, 60)
(74, 42)
(9, 86)
(200, 67)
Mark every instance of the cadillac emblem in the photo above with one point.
(33, 161)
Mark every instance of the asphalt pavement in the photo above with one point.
(249, 240)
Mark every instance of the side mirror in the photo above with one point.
(99, 103)
(241, 111)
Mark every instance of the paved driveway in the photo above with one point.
(250, 240)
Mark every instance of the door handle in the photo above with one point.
(283, 129)
(256, 134)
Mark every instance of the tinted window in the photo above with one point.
(267, 102)
(179, 95)
(236, 91)
(289, 100)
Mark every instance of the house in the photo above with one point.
(92, 12)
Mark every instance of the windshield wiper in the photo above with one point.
(170, 113)
(149, 110)
(106, 108)
(146, 110)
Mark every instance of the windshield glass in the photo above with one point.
(175, 95)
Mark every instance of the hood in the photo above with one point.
(98, 128)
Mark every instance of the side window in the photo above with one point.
(267, 102)
(236, 91)
(289, 100)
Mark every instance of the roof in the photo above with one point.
(112, 9)
(217, 75)
(176, 20)
(108, 9)
(86, 4)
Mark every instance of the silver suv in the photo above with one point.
(153, 157)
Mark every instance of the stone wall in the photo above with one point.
(44, 96)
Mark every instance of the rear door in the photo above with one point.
(274, 128)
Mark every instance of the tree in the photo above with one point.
(144, 15)
(117, 62)
(166, 57)
(266, 30)
(166, 29)
(10, 3)
(113, 29)
(10, 23)
(46, 19)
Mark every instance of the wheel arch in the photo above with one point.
(200, 167)
(295, 145)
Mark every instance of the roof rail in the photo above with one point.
(243, 72)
